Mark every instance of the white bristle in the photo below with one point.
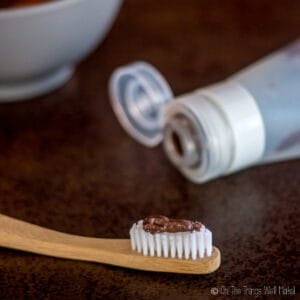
(144, 242)
(158, 244)
(175, 245)
(172, 245)
(179, 245)
(201, 243)
(208, 242)
(138, 238)
(165, 244)
(193, 245)
(151, 245)
(186, 245)
(132, 237)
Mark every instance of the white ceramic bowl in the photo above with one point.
(40, 45)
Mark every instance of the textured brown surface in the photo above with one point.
(67, 164)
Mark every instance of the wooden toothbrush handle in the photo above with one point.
(20, 235)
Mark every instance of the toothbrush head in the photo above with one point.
(175, 238)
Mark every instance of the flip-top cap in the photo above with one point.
(139, 95)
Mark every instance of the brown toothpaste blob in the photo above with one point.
(160, 224)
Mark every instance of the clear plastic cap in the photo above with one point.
(139, 95)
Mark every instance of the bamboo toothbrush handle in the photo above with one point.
(19, 235)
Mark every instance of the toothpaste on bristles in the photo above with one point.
(175, 238)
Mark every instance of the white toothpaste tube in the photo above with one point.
(252, 117)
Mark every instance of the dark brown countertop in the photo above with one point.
(67, 164)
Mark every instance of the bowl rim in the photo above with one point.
(35, 9)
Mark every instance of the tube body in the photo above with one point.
(274, 82)
(252, 117)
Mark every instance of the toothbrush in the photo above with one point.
(20, 235)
